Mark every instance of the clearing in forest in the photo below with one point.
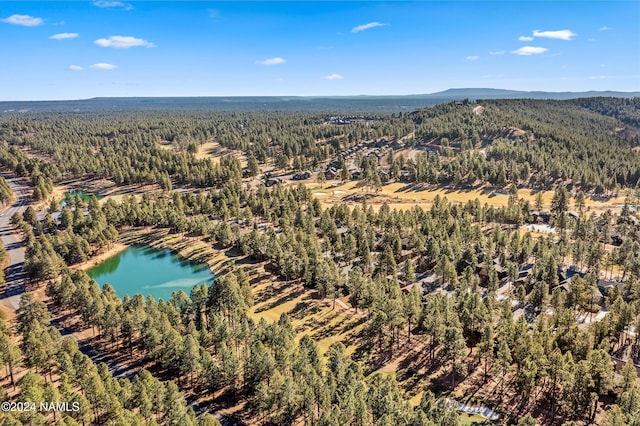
(404, 196)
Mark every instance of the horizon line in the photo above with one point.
(316, 96)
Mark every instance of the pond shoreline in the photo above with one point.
(146, 270)
(217, 260)
(97, 259)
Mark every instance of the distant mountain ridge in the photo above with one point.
(487, 93)
(362, 103)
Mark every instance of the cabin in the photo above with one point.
(605, 286)
(342, 230)
(396, 145)
(617, 238)
(524, 275)
(483, 271)
(331, 173)
(423, 287)
(629, 220)
(573, 215)
(271, 182)
(424, 264)
(540, 216)
(301, 175)
(380, 143)
(621, 363)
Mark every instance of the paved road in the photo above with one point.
(15, 287)
(13, 274)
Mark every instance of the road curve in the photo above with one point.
(15, 287)
(14, 276)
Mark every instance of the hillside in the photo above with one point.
(558, 141)
(370, 268)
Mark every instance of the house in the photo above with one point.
(525, 270)
(424, 264)
(605, 286)
(396, 145)
(301, 175)
(617, 238)
(384, 174)
(540, 216)
(422, 286)
(503, 272)
(564, 276)
(524, 278)
(483, 271)
(342, 230)
(331, 173)
(380, 143)
(629, 220)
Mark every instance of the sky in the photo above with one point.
(57, 50)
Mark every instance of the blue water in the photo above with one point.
(150, 271)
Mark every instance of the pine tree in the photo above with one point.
(412, 308)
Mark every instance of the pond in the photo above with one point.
(84, 196)
(150, 271)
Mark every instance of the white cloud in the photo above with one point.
(560, 34)
(63, 36)
(473, 58)
(605, 28)
(108, 3)
(525, 38)
(529, 50)
(333, 76)
(123, 42)
(74, 68)
(24, 20)
(272, 61)
(497, 52)
(367, 26)
(103, 66)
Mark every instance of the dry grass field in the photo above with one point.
(404, 196)
(309, 315)
(211, 150)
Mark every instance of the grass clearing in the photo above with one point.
(211, 150)
(472, 420)
(307, 313)
(404, 196)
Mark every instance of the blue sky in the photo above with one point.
(83, 49)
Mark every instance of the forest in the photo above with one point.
(487, 301)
